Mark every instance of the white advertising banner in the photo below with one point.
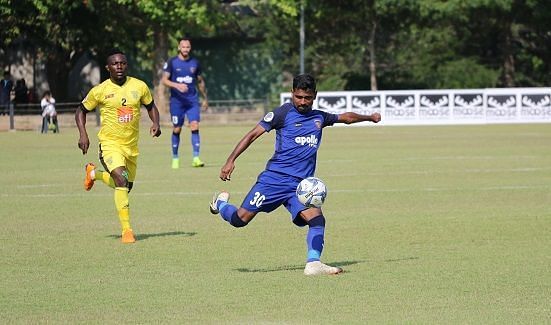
(451, 106)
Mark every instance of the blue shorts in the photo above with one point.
(272, 190)
(180, 110)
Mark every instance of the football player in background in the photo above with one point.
(182, 74)
(298, 137)
(119, 100)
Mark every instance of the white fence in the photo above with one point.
(451, 106)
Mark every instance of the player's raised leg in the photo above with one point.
(93, 174)
(90, 176)
(228, 212)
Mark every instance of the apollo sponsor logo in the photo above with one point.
(185, 80)
(310, 140)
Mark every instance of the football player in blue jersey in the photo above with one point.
(298, 136)
(182, 74)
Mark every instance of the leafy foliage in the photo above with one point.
(250, 48)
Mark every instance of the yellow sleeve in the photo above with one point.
(146, 95)
(90, 102)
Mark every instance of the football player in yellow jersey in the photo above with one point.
(119, 100)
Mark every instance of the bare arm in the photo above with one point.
(351, 117)
(201, 85)
(229, 166)
(80, 119)
(153, 112)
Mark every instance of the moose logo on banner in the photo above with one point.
(453, 106)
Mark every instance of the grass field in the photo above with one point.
(435, 225)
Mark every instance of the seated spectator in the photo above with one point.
(49, 114)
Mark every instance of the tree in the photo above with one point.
(164, 22)
(355, 44)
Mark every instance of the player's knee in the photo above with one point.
(121, 180)
(237, 222)
(240, 221)
(176, 130)
(318, 221)
(194, 126)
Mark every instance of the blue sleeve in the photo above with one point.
(168, 66)
(329, 119)
(275, 118)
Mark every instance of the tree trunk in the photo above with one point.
(57, 68)
(372, 57)
(160, 55)
(371, 17)
(508, 76)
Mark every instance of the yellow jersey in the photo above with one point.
(119, 108)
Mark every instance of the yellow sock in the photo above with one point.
(105, 177)
(121, 203)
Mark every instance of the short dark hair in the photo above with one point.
(184, 38)
(305, 82)
(114, 51)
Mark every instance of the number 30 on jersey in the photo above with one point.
(257, 200)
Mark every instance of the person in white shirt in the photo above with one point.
(49, 114)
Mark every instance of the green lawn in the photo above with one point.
(433, 225)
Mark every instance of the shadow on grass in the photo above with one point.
(162, 234)
(294, 267)
(300, 267)
(402, 259)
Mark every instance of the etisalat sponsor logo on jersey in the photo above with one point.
(125, 114)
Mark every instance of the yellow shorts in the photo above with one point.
(113, 156)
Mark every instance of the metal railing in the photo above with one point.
(19, 113)
(215, 106)
(35, 109)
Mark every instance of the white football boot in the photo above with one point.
(318, 268)
(222, 196)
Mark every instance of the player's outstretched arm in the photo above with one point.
(351, 117)
(80, 119)
(244, 143)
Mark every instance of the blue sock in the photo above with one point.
(314, 238)
(228, 212)
(175, 144)
(195, 142)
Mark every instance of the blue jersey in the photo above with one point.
(183, 71)
(298, 137)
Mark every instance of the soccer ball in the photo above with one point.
(311, 192)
